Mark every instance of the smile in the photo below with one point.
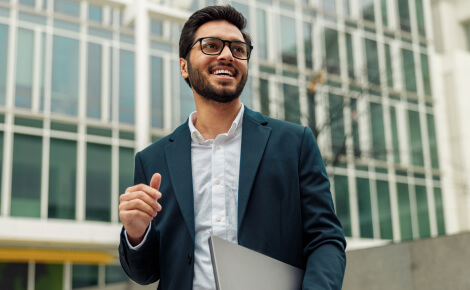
(222, 72)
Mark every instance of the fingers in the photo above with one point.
(139, 201)
(156, 181)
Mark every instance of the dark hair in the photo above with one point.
(206, 14)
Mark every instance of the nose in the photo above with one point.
(226, 54)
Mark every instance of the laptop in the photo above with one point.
(237, 267)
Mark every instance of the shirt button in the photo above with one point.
(217, 181)
(190, 258)
(217, 147)
(218, 219)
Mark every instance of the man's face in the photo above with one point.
(208, 73)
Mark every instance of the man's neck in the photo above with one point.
(215, 118)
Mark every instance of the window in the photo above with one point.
(84, 276)
(69, 7)
(261, 41)
(383, 6)
(342, 202)
(355, 127)
(420, 17)
(65, 59)
(311, 111)
(378, 132)
(291, 103)
(404, 15)
(404, 210)
(94, 73)
(441, 226)
(156, 92)
(329, 5)
(395, 142)
(368, 10)
(426, 75)
(288, 40)
(13, 276)
(416, 143)
(126, 86)
(308, 45)
(373, 72)
(350, 55)
(62, 178)
(126, 166)
(26, 179)
(115, 274)
(98, 182)
(264, 96)
(385, 212)
(95, 13)
(365, 209)
(48, 277)
(24, 68)
(432, 141)
(3, 61)
(423, 211)
(388, 63)
(338, 137)
(409, 70)
(331, 51)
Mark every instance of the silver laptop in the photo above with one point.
(239, 268)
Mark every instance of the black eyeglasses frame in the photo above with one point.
(223, 46)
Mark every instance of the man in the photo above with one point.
(230, 172)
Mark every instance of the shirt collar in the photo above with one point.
(234, 130)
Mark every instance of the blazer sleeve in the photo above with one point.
(323, 237)
(141, 265)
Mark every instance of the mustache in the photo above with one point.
(224, 64)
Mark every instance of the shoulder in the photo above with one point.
(284, 128)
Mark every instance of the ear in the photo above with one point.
(184, 68)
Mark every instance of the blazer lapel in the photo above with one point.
(254, 139)
(178, 156)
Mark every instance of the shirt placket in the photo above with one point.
(218, 189)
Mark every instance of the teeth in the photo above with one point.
(222, 72)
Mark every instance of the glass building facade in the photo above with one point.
(356, 72)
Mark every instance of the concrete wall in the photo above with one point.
(437, 263)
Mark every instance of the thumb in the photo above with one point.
(156, 181)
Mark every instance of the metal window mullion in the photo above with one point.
(46, 141)
(395, 210)
(67, 276)
(403, 135)
(413, 207)
(115, 178)
(31, 277)
(374, 204)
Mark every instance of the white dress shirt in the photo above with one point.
(215, 169)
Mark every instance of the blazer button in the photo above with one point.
(190, 258)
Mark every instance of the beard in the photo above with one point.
(209, 92)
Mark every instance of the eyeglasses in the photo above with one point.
(214, 46)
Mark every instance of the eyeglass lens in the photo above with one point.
(215, 46)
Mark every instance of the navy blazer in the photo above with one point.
(285, 208)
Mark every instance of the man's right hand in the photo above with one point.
(138, 206)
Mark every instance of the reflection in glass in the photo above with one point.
(3, 61)
(416, 143)
(62, 178)
(388, 63)
(94, 73)
(355, 127)
(84, 276)
(342, 203)
(95, 12)
(332, 51)
(261, 40)
(385, 212)
(64, 96)
(432, 141)
(288, 40)
(308, 45)
(291, 103)
(423, 211)
(48, 277)
(420, 17)
(441, 226)
(350, 55)
(264, 96)
(126, 86)
(378, 132)
(409, 70)
(426, 75)
(115, 274)
(26, 179)
(368, 10)
(373, 72)
(98, 182)
(70, 7)
(383, 6)
(404, 209)
(156, 93)
(13, 276)
(404, 15)
(395, 143)
(338, 137)
(24, 68)
(126, 168)
(365, 209)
